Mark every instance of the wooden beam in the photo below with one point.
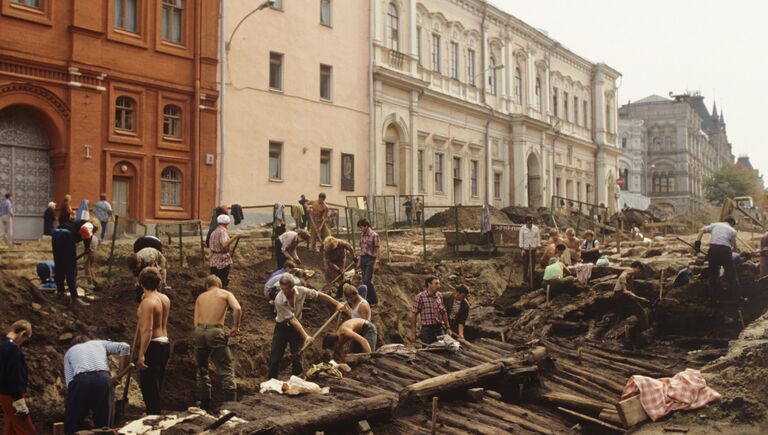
(631, 411)
(591, 420)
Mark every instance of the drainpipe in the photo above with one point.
(488, 160)
(222, 87)
(198, 110)
(371, 115)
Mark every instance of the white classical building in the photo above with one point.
(472, 105)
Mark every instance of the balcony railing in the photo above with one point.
(396, 59)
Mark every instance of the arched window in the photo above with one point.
(172, 121)
(624, 175)
(492, 76)
(539, 102)
(170, 187)
(518, 86)
(393, 28)
(125, 108)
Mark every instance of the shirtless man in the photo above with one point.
(211, 341)
(572, 243)
(360, 332)
(154, 348)
(318, 227)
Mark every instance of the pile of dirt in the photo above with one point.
(468, 218)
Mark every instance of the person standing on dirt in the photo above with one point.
(289, 305)
(418, 207)
(103, 212)
(49, 219)
(64, 244)
(66, 213)
(212, 343)
(428, 307)
(318, 224)
(221, 259)
(303, 203)
(154, 348)
(13, 380)
(529, 241)
(360, 333)
(222, 209)
(335, 258)
(457, 307)
(90, 385)
(408, 211)
(6, 217)
(720, 254)
(287, 247)
(370, 254)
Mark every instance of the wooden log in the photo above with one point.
(591, 420)
(352, 410)
(573, 401)
(609, 414)
(473, 427)
(464, 410)
(582, 389)
(520, 412)
(631, 411)
(610, 384)
(495, 412)
(627, 360)
(434, 415)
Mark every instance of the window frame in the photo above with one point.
(420, 170)
(326, 71)
(278, 5)
(576, 110)
(326, 152)
(585, 115)
(177, 120)
(492, 77)
(474, 186)
(496, 185)
(435, 54)
(471, 70)
(566, 107)
(393, 27)
(166, 22)
(329, 23)
(177, 184)
(539, 94)
(125, 110)
(419, 55)
(273, 56)
(555, 102)
(390, 175)
(279, 146)
(439, 173)
(140, 37)
(184, 47)
(518, 85)
(453, 60)
(42, 14)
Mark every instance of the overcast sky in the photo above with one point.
(716, 47)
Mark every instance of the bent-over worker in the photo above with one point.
(64, 244)
(720, 254)
(457, 307)
(221, 259)
(287, 245)
(360, 333)
(335, 258)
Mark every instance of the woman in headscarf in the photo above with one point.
(82, 212)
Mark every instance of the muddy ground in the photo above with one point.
(686, 324)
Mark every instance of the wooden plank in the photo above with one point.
(631, 411)
(575, 401)
(492, 411)
(591, 420)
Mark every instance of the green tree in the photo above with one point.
(731, 181)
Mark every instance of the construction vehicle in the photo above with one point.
(743, 208)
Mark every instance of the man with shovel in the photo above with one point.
(289, 305)
(721, 247)
(154, 348)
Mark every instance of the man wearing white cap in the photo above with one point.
(219, 243)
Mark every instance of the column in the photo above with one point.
(412, 37)
(414, 115)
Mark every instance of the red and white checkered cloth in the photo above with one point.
(659, 397)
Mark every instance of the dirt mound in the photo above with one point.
(468, 218)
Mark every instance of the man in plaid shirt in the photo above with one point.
(434, 319)
(370, 253)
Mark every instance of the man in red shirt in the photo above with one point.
(430, 307)
(13, 380)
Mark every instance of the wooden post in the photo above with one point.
(741, 318)
(661, 286)
(548, 286)
(111, 251)
(181, 249)
(202, 242)
(434, 415)
(503, 337)
(58, 428)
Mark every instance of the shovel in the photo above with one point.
(121, 403)
(319, 331)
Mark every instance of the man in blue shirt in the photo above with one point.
(90, 385)
(6, 217)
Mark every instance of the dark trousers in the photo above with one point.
(418, 218)
(103, 229)
(429, 333)
(590, 257)
(279, 256)
(65, 260)
(91, 392)
(285, 334)
(529, 264)
(721, 256)
(151, 379)
(223, 275)
(367, 264)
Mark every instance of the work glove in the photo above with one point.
(20, 406)
(697, 246)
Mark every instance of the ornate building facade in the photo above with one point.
(683, 144)
(472, 105)
(109, 96)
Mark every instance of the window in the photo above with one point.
(539, 103)
(172, 18)
(624, 175)
(325, 166)
(492, 76)
(276, 71)
(579, 196)
(278, 4)
(421, 170)
(325, 12)
(471, 66)
(393, 28)
(565, 106)
(389, 163)
(663, 182)
(518, 86)
(172, 121)
(569, 156)
(275, 161)
(473, 169)
(453, 59)
(497, 185)
(457, 168)
(585, 114)
(576, 110)
(125, 109)
(438, 173)
(418, 44)
(125, 15)
(435, 52)
(555, 110)
(325, 82)
(30, 3)
(608, 126)
(170, 187)
(623, 142)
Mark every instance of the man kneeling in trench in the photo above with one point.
(360, 333)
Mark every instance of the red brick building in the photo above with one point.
(115, 96)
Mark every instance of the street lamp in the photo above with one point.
(264, 5)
